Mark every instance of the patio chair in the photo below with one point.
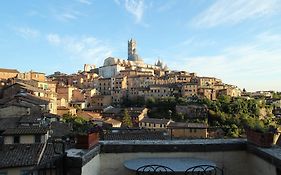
(154, 170)
(204, 170)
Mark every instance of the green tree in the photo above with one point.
(127, 120)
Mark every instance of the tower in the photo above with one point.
(132, 50)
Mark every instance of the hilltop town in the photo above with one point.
(102, 93)
(124, 99)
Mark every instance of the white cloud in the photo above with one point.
(54, 39)
(65, 14)
(27, 33)
(232, 12)
(136, 8)
(87, 49)
(88, 2)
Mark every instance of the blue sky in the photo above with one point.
(238, 41)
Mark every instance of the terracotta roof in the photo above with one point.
(28, 87)
(60, 129)
(9, 70)
(4, 103)
(94, 108)
(64, 108)
(19, 155)
(33, 99)
(112, 111)
(33, 118)
(49, 155)
(187, 125)
(24, 100)
(155, 120)
(136, 135)
(10, 122)
(112, 121)
(88, 114)
(26, 130)
(23, 155)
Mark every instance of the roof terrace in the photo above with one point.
(235, 156)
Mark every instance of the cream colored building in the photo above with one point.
(207, 92)
(26, 135)
(140, 81)
(31, 75)
(160, 91)
(230, 91)
(189, 89)
(188, 130)
(208, 81)
(101, 100)
(104, 86)
(153, 123)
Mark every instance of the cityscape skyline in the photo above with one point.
(238, 43)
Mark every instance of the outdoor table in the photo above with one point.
(178, 164)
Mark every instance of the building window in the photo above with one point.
(190, 130)
(16, 139)
(37, 138)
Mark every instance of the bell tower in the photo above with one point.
(132, 49)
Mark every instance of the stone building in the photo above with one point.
(26, 135)
(119, 88)
(27, 92)
(208, 81)
(187, 130)
(104, 86)
(189, 89)
(101, 100)
(207, 92)
(31, 75)
(8, 73)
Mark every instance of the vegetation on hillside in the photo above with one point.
(232, 115)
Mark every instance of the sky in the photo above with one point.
(237, 41)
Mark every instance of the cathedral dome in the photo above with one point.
(110, 61)
(134, 57)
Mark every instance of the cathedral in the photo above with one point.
(112, 65)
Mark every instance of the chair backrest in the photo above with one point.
(154, 169)
(204, 170)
